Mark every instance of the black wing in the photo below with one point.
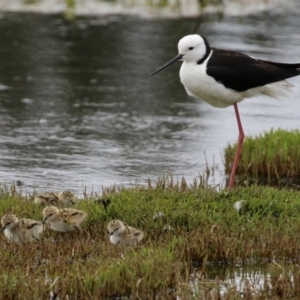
(241, 72)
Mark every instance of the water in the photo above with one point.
(78, 108)
(259, 281)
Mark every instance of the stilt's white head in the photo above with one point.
(193, 48)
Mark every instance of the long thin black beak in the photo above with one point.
(176, 58)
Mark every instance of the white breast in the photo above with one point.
(11, 235)
(114, 239)
(200, 85)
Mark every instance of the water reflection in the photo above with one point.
(264, 281)
(81, 109)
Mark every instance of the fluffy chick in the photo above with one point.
(63, 220)
(124, 236)
(20, 230)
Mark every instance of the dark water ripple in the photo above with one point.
(77, 106)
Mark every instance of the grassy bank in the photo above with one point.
(270, 158)
(200, 229)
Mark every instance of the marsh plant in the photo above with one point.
(188, 232)
(271, 158)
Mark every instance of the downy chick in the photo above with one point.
(63, 220)
(124, 236)
(20, 230)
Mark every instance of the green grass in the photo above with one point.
(272, 157)
(206, 232)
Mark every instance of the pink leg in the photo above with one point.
(239, 147)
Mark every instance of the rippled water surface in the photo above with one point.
(78, 108)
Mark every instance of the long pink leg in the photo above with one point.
(239, 147)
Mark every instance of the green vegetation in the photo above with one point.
(272, 157)
(200, 229)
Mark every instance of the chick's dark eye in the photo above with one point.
(191, 48)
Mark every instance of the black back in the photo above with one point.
(241, 72)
